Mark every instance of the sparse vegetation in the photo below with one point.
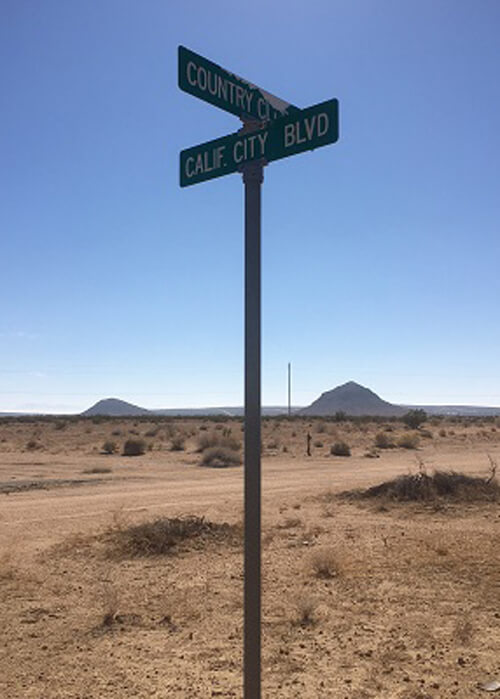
(213, 439)
(340, 449)
(178, 443)
(325, 564)
(109, 447)
(220, 457)
(163, 536)
(134, 447)
(423, 487)
(305, 608)
(33, 445)
(408, 441)
(383, 441)
(414, 418)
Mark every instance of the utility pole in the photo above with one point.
(289, 389)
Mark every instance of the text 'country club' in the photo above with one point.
(266, 144)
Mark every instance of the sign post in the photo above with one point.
(273, 129)
(253, 175)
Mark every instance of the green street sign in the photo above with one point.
(211, 83)
(306, 129)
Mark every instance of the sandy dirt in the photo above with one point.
(410, 607)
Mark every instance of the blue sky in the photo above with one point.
(380, 253)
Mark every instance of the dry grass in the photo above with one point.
(340, 449)
(409, 441)
(449, 485)
(214, 439)
(220, 457)
(163, 536)
(326, 564)
(305, 611)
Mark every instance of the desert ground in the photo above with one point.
(362, 598)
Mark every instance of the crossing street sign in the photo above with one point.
(211, 83)
(273, 129)
(303, 130)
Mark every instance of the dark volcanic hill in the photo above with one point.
(115, 408)
(352, 399)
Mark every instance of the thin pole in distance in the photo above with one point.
(253, 175)
(289, 389)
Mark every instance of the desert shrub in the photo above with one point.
(382, 441)
(60, 425)
(178, 443)
(109, 447)
(33, 445)
(340, 449)
(440, 484)
(305, 611)
(320, 427)
(220, 457)
(134, 447)
(414, 418)
(212, 439)
(409, 441)
(152, 432)
(318, 444)
(442, 432)
(163, 535)
(340, 416)
(325, 564)
(273, 444)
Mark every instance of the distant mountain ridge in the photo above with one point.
(114, 407)
(352, 399)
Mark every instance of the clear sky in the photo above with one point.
(380, 253)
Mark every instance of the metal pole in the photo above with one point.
(253, 175)
(289, 389)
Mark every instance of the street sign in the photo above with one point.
(211, 83)
(304, 130)
(273, 129)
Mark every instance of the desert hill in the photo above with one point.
(352, 399)
(115, 408)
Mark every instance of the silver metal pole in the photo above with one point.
(289, 389)
(253, 175)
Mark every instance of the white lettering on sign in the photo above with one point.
(224, 89)
(250, 147)
(326, 124)
(305, 130)
(189, 68)
(265, 111)
(205, 161)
